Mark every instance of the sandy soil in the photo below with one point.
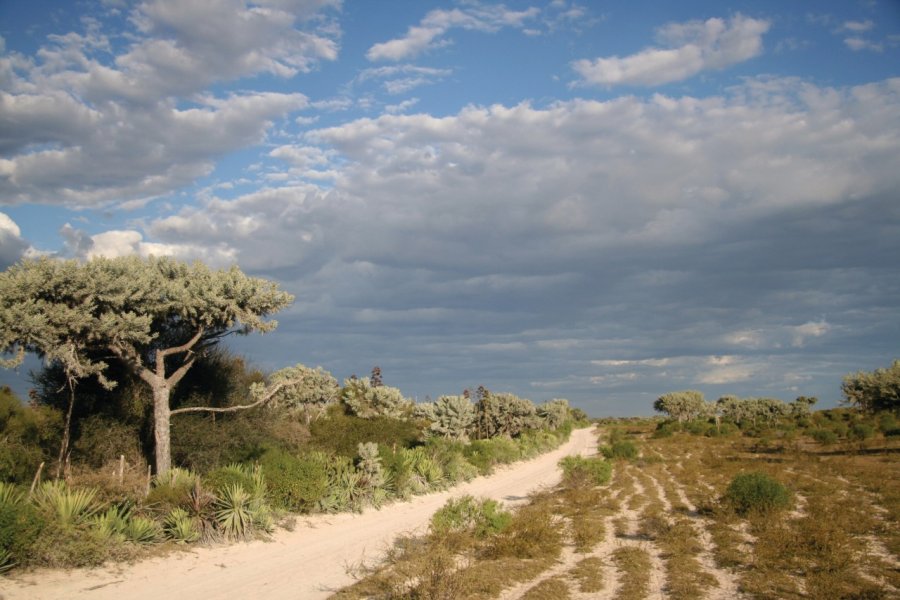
(309, 562)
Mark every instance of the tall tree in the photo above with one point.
(154, 314)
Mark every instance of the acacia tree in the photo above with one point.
(875, 390)
(683, 406)
(156, 315)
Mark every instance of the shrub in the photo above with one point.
(826, 437)
(103, 439)
(485, 454)
(68, 507)
(181, 526)
(171, 490)
(229, 475)
(862, 431)
(296, 483)
(594, 470)
(481, 517)
(622, 449)
(339, 433)
(756, 492)
(20, 525)
(887, 422)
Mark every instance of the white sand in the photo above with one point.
(307, 563)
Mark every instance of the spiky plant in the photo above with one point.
(142, 530)
(9, 495)
(344, 488)
(234, 512)
(6, 561)
(69, 507)
(181, 526)
(112, 523)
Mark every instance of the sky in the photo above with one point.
(598, 201)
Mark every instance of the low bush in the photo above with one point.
(466, 514)
(577, 469)
(296, 482)
(623, 449)
(486, 454)
(103, 439)
(171, 490)
(340, 433)
(20, 526)
(861, 431)
(756, 493)
(826, 437)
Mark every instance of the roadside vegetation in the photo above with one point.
(736, 505)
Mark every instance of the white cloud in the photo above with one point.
(12, 245)
(858, 44)
(858, 26)
(690, 48)
(428, 34)
(812, 329)
(86, 126)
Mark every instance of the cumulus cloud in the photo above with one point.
(725, 223)
(12, 245)
(688, 49)
(430, 32)
(83, 129)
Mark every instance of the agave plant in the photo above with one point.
(69, 507)
(181, 526)
(234, 512)
(344, 488)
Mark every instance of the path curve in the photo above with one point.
(309, 562)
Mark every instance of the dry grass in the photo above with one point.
(588, 574)
(633, 564)
(840, 539)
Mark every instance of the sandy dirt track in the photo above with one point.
(307, 563)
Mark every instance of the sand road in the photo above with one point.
(305, 564)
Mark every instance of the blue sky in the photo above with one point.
(597, 201)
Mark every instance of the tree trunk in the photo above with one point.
(64, 445)
(161, 419)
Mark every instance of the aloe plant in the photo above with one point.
(112, 523)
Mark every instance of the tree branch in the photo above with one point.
(230, 409)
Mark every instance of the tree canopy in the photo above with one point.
(875, 390)
(155, 314)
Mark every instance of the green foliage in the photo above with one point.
(504, 414)
(367, 401)
(111, 523)
(340, 433)
(372, 476)
(103, 439)
(296, 482)
(171, 489)
(181, 527)
(28, 436)
(887, 421)
(487, 453)
(20, 526)
(234, 512)
(345, 490)
(756, 493)
(450, 455)
(68, 507)
(451, 416)
(682, 406)
(466, 514)
(826, 437)
(308, 395)
(229, 475)
(624, 449)
(862, 431)
(593, 470)
(553, 413)
(874, 391)
(142, 530)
